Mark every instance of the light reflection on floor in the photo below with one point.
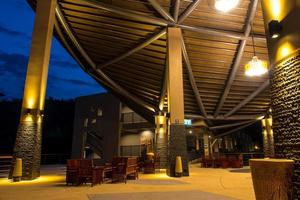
(41, 179)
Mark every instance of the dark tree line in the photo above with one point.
(57, 125)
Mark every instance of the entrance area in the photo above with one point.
(203, 183)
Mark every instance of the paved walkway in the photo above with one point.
(202, 184)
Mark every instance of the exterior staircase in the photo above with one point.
(5, 165)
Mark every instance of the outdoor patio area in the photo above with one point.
(150, 100)
(203, 183)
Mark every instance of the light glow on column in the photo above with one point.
(276, 8)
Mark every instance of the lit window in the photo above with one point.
(99, 112)
(86, 121)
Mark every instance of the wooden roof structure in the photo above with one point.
(122, 45)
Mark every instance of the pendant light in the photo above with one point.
(255, 67)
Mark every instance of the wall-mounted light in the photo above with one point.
(29, 111)
(275, 29)
(35, 112)
(160, 118)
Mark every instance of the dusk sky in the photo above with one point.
(66, 79)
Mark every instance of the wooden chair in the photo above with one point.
(123, 167)
(132, 167)
(88, 173)
(72, 172)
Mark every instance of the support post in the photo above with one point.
(177, 135)
(29, 134)
(206, 144)
(284, 56)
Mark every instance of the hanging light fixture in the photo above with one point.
(255, 67)
(225, 5)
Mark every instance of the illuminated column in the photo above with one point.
(28, 141)
(197, 142)
(161, 139)
(206, 144)
(268, 139)
(177, 136)
(282, 26)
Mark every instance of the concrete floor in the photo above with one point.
(202, 184)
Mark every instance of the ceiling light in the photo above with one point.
(226, 5)
(255, 67)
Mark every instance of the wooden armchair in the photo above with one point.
(88, 173)
(123, 167)
(72, 172)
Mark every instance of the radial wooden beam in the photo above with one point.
(229, 125)
(164, 87)
(238, 57)
(176, 10)
(249, 98)
(135, 49)
(103, 76)
(161, 11)
(124, 12)
(219, 33)
(236, 129)
(188, 11)
(223, 118)
(192, 79)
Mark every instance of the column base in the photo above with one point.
(28, 148)
(177, 147)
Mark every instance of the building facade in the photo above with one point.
(105, 128)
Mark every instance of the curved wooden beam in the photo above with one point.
(105, 78)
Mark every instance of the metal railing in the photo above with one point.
(131, 150)
(132, 117)
(5, 165)
(47, 159)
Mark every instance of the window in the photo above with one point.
(99, 112)
(85, 122)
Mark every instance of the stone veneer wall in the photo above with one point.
(177, 147)
(268, 142)
(285, 95)
(162, 148)
(28, 148)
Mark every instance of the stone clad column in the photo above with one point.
(285, 80)
(161, 139)
(29, 134)
(177, 134)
